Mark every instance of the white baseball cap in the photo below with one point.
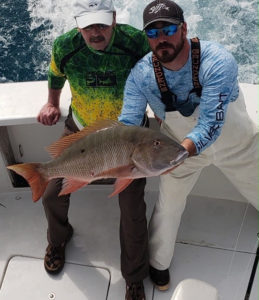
(88, 12)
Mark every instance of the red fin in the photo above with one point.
(123, 171)
(120, 185)
(59, 146)
(35, 179)
(71, 185)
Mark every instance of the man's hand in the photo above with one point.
(189, 146)
(49, 114)
(158, 120)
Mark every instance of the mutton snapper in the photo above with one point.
(107, 149)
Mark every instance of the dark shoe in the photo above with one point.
(135, 291)
(54, 259)
(160, 279)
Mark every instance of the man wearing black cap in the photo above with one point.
(96, 58)
(192, 88)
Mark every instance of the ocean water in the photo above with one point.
(28, 28)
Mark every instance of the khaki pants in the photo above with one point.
(133, 224)
(235, 153)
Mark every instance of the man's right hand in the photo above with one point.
(49, 114)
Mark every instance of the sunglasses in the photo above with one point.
(153, 33)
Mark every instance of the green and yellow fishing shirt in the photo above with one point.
(96, 78)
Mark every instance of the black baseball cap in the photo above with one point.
(162, 10)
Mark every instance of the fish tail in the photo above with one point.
(31, 173)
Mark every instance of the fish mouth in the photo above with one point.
(180, 157)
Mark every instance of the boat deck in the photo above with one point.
(216, 243)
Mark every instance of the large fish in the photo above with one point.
(107, 149)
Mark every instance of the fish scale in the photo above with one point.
(112, 151)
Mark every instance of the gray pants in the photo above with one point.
(133, 224)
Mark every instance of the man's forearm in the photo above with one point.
(54, 97)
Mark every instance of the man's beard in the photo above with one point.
(166, 56)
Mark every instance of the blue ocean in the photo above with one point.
(28, 28)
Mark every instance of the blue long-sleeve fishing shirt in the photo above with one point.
(217, 75)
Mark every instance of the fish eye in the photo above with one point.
(82, 150)
(156, 143)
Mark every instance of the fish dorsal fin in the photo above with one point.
(59, 146)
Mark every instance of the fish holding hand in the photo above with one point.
(107, 149)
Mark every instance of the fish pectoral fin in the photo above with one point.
(122, 171)
(120, 185)
(71, 185)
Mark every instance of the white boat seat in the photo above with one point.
(190, 289)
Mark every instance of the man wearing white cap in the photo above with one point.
(96, 58)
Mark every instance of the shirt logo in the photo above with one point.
(98, 79)
(93, 4)
(157, 8)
